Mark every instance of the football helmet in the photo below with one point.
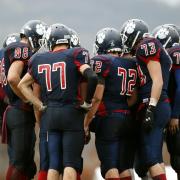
(14, 37)
(34, 31)
(132, 31)
(107, 40)
(175, 27)
(167, 35)
(75, 41)
(57, 34)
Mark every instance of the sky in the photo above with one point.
(86, 17)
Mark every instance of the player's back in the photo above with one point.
(120, 76)
(151, 49)
(58, 74)
(16, 51)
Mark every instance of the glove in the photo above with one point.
(86, 106)
(148, 121)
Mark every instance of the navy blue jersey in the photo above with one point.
(174, 82)
(3, 80)
(58, 74)
(120, 76)
(15, 52)
(150, 49)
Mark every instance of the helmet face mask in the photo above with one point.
(107, 40)
(132, 32)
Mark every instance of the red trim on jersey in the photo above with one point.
(122, 111)
(175, 67)
(2, 93)
(168, 100)
(105, 73)
(4, 127)
(151, 58)
(78, 64)
(102, 110)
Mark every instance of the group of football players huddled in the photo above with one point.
(127, 94)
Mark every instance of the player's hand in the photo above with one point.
(42, 108)
(87, 135)
(174, 125)
(86, 106)
(148, 121)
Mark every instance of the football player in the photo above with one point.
(154, 65)
(40, 118)
(170, 41)
(58, 73)
(117, 78)
(19, 115)
(3, 97)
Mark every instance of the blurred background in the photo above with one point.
(86, 17)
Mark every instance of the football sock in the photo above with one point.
(160, 177)
(78, 176)
(126, 178)
(42, 175)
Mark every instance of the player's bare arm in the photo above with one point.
(37, 93)
(25, 87)
(13, 78)
(155, 72)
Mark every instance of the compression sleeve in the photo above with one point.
(92, 80)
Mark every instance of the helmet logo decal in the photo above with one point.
(129, 28)
(162, 33)
(40, 29)
(74, 40)
(47, 33)
(10, 40)
(100, 37)
(112, 44)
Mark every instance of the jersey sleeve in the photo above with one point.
(32, 67)
(175, 56)
(19, 53)
(148, 51)
(101, 66)
(81, 56)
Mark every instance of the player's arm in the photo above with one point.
(37, 93)
(14, 77)
(25, 87)
(155, 72)
(95, 102)
(91, 78)
(154, 69)
(174, 123)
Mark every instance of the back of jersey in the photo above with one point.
(150, 49)
(58, 74)
(120, 76)
(15, 52)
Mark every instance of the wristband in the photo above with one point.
(42, 107)
(153, 102)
